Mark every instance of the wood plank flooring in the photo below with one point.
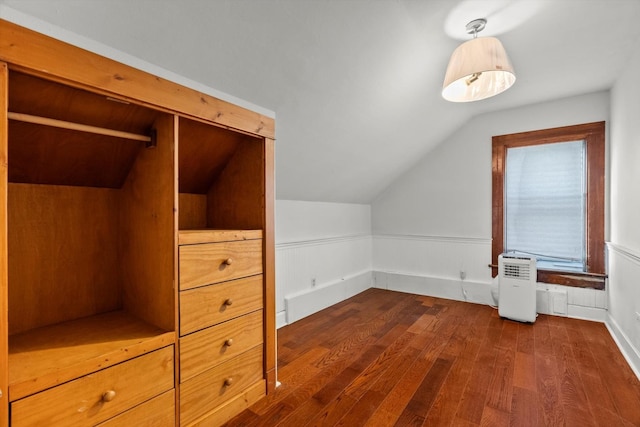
(386, 358)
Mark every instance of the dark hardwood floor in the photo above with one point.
(385, 358)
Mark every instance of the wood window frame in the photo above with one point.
(594, 136)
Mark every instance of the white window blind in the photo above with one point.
(545, 189)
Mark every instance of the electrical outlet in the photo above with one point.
(313, 282)
(463, 274)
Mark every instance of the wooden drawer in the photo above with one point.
(209, 347)
(209, 305)
(157, 412)
(208, 263)
(84, 401)
(205, 392)
(225, 412)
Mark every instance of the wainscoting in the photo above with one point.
(457, 268)
(314, 274)
(438, 257)
(623, 317)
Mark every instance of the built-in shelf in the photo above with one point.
(192, 237)
(51, 355)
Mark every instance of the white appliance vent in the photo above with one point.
(517, 277)
(517, 271)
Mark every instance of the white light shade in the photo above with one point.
(478, 69)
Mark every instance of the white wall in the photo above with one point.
(434, 222)
(303, 221)
(624, 247)
(328, 242)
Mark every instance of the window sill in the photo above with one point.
(567, 278)
(578, 280)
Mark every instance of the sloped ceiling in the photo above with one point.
(355, 84)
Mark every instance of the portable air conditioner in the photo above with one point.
(517, 287)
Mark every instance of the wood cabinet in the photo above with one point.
(136, 240)
(221, 324)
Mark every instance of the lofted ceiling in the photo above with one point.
(355, 84)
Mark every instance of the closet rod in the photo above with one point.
(76, 126)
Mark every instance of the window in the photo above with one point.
(548, 201)
(544, 209)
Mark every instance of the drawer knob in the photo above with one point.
(229, 342)
(228, 301)
(108, 396)
(228, 261)
(228, 381)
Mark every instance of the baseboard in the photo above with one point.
(587, 313)
(551, 299)
(627, 349)
(281, 319)
(307, 302)
(459, 290)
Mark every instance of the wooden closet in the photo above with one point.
(136, 244)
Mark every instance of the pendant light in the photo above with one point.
(478, 68)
